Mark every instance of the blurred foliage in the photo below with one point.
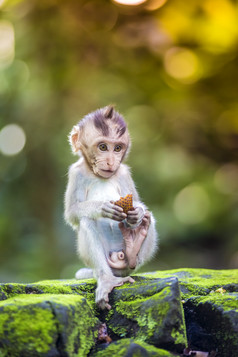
(171, 68)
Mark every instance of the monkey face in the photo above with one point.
(104, 154)
(103, 146)
(108, 156)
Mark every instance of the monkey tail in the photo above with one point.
(84, 273)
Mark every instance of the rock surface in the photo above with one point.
(60, 318)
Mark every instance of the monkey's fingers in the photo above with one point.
(120, 214)
(118, 217)
(131, 280)
(145, 223)
(102, 304)
(128, 279)
(107, 306)
(132, 218)
(146, 220)
(117, 208)
(135, 216)
(114, 212)
(133, 213)
(147, 215)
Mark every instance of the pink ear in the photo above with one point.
(74, 139)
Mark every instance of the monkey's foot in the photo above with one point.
(105, 286)
(134, 238)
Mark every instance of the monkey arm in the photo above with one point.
(77, 205)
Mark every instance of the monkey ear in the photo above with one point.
(74, 139)
(109, 111)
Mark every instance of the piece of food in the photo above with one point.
(126, 203)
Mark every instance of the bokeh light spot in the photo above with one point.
(226, 179)
(191, 205)
(7, 43)
(12, 139)
(175, 157)
(2, 3)
(182, 64)
(155, 4)
(130, 2)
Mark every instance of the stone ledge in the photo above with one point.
(60, 318)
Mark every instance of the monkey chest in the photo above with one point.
(101, 190)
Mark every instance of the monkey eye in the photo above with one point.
(117, 148)
(102, 147)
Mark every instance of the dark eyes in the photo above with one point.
(103, 147)
(117, 148)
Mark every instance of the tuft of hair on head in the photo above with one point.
(103, 117)
(109, 112)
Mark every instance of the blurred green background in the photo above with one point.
(171, 69)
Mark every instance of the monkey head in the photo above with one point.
(102, 138)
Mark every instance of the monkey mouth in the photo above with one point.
(109, 171)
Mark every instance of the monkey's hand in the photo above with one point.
(105, 286)
(110, 210)
(135, 217)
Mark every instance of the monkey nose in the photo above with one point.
(110, 163)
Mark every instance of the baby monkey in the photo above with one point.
(110, 242)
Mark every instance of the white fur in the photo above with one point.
(87, 203)
(84, 273)
(97, 236)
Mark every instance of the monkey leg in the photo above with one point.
(91, 250)
(134, 239)
(105, 285)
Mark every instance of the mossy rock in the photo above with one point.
(46, 325)
(212, 322)
(200, 282)
(60, 318)
(131, 348)
(210, 300)
(149, 310)
(79, 287)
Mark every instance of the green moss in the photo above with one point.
(34, 322)
(178, 336)
(12, 289)
(83, 287)
(199, 281)
(120, 349)
(34, 328)
(82, 329)
(226, 301)
(148, 313)
(132, 309)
